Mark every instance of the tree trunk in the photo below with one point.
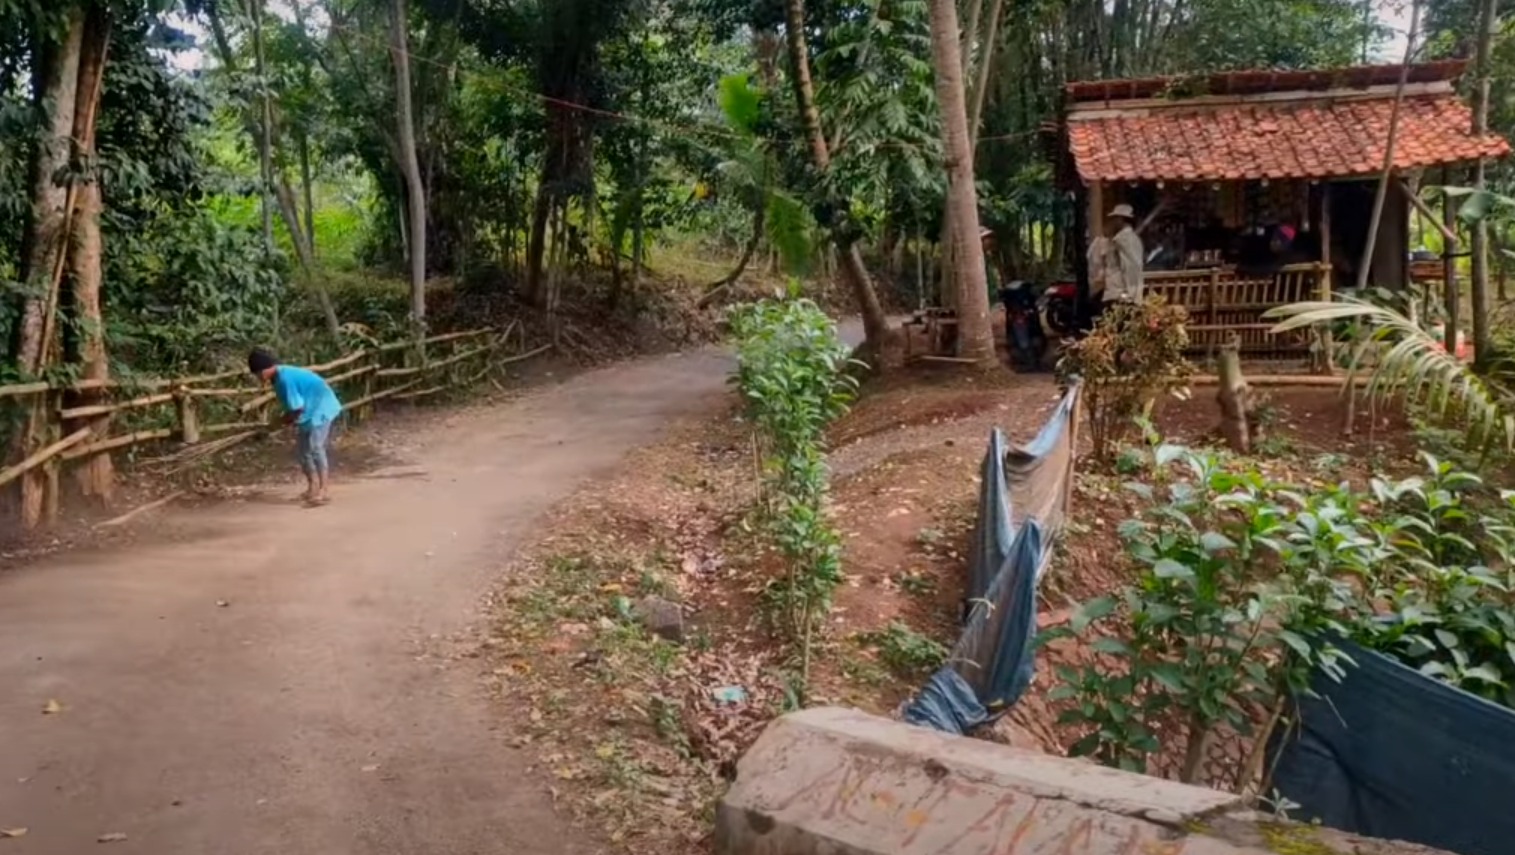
(307, 192)
(1483, 348)
(410, 166)
(43, 249)
(985, 64)
(96, 476)
(536, 244)
(716, 287)
(975, 339)
(305, 253)
(265, 135)
(875, 323)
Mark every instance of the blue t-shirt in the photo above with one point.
(304, 390)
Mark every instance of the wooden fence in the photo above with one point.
(188, 418)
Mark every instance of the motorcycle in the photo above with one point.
(1024, 336)
(1059, 308)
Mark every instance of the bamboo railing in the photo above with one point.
(1223, 302)
(180, 415)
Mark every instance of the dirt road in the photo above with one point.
(311, 713)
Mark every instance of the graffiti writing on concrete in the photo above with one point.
(883, 803)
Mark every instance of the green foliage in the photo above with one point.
(1240, 584)
(1450, 605)
(1407, 363)
(792, 375)
(1132, 355)
(907, 652)
(188, 291)
(1228, 589)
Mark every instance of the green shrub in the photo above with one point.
(792, 375)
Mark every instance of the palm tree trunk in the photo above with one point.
(410, 165)
(975, 338)
(875, 323)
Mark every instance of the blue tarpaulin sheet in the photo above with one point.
(1389, 752)
(1022, 498)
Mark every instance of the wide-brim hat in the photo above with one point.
(1123, 211)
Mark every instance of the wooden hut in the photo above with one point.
(1211, 162)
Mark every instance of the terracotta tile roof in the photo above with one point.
(1317, 138)
(1264, 80)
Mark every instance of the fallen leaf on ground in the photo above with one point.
(12, 832)
(53, 707)
(113, 837)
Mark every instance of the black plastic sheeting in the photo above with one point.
(992, 663)
(1390, 753)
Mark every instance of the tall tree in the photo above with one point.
(96, 476)
(975, 338)
(415, 193)
(875, 323)
(1488, 15)
(43, 252)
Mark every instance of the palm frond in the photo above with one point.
(1406, 362)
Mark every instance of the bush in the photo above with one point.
(792, 375)
(1241, 584)
(1133, 353)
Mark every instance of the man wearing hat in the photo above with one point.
(1123, 259)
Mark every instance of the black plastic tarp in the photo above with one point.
(1390, 753)
(1022, 497)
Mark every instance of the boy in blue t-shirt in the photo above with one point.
(311, 406)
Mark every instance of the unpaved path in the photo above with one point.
(312, 713)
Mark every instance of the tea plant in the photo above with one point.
(1219, 620)
(1450, 602)
(1242, 584)
(792, 373)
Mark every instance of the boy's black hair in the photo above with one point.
(260, 360)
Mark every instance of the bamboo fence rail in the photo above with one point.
(181, 412)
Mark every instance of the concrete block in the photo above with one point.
(831, 781)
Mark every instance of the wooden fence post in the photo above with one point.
(189, 417)
(52, 482)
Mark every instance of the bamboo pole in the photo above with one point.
(338, 363)
(1332, 380)
(1431, 216)
(1375, 219)
(43, 455)
(257, 402)
(139, 511)
(103, 409)
(157, 382)
(231, 426)
(529, 354)
(398, 372)
(221, 393)
(436, 339)
(117, 442)
(356, 372)
(379, 396)
(19, 389)
(421, 393)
